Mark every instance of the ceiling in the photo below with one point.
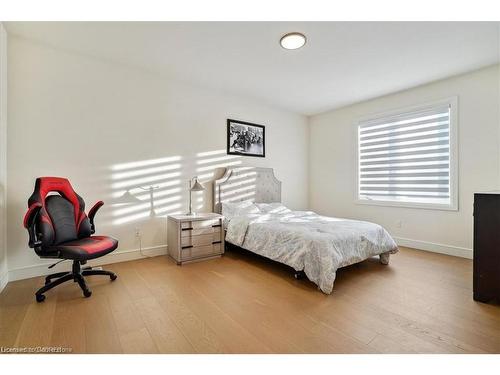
(342, 62)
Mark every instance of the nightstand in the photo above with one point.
(195, 237)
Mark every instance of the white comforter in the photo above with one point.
(304, 240)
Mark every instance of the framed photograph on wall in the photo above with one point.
(245, 138)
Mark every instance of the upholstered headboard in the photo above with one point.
(243, 183)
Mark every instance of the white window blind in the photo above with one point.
(406, 158)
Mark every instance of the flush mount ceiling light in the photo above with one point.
(293, 40)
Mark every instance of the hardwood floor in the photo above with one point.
(420, 303)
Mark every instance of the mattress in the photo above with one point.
(306, 241)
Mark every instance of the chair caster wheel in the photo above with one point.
(113, 277)
(87, 293)
(40, 298)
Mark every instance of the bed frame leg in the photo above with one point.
(299, 275)
(384, 258)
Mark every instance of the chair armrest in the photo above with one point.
(92, 213)
(29, 223)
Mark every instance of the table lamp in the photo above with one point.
(193, 187)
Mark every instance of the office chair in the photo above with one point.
(58, 228)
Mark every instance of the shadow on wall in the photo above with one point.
(145, 189)
(242, 186)
(130, 182)
(206, 166)
(169, 176)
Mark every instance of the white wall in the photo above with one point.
(3, 157)
(333, 164)
(79, 117)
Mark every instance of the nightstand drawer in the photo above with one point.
(200, 224)
(198, 252)
(190, 231)
(202, 240)
(217, 247)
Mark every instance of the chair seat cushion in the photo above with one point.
(86, 248)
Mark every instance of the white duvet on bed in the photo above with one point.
(304, 240)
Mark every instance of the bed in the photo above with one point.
(315, 245)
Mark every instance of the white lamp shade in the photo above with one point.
(197, 186)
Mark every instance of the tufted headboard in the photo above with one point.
(243, 183)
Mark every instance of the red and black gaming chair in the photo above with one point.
(58, 228)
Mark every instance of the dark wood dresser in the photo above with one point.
(487, 246)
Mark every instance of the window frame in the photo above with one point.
(453, 206)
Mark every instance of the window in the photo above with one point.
(407, 158)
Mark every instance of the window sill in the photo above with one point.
(425, 206)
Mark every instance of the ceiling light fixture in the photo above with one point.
(293, 40)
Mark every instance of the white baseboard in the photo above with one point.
(4, 279)
(119, 256)
(126, 255)
(435, 247)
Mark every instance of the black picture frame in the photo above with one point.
(246, 148)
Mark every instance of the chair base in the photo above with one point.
(76, 274)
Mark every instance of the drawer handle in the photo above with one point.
(215, 242)
(190, 228)
(216, 225)
(187, 247)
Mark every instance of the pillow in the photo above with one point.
(272, 208)
(232, 209)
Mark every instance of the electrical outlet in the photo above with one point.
(399, 224)
(137, 231)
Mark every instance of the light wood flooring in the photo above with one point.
(420, 303)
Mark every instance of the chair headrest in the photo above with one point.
(46, 185)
